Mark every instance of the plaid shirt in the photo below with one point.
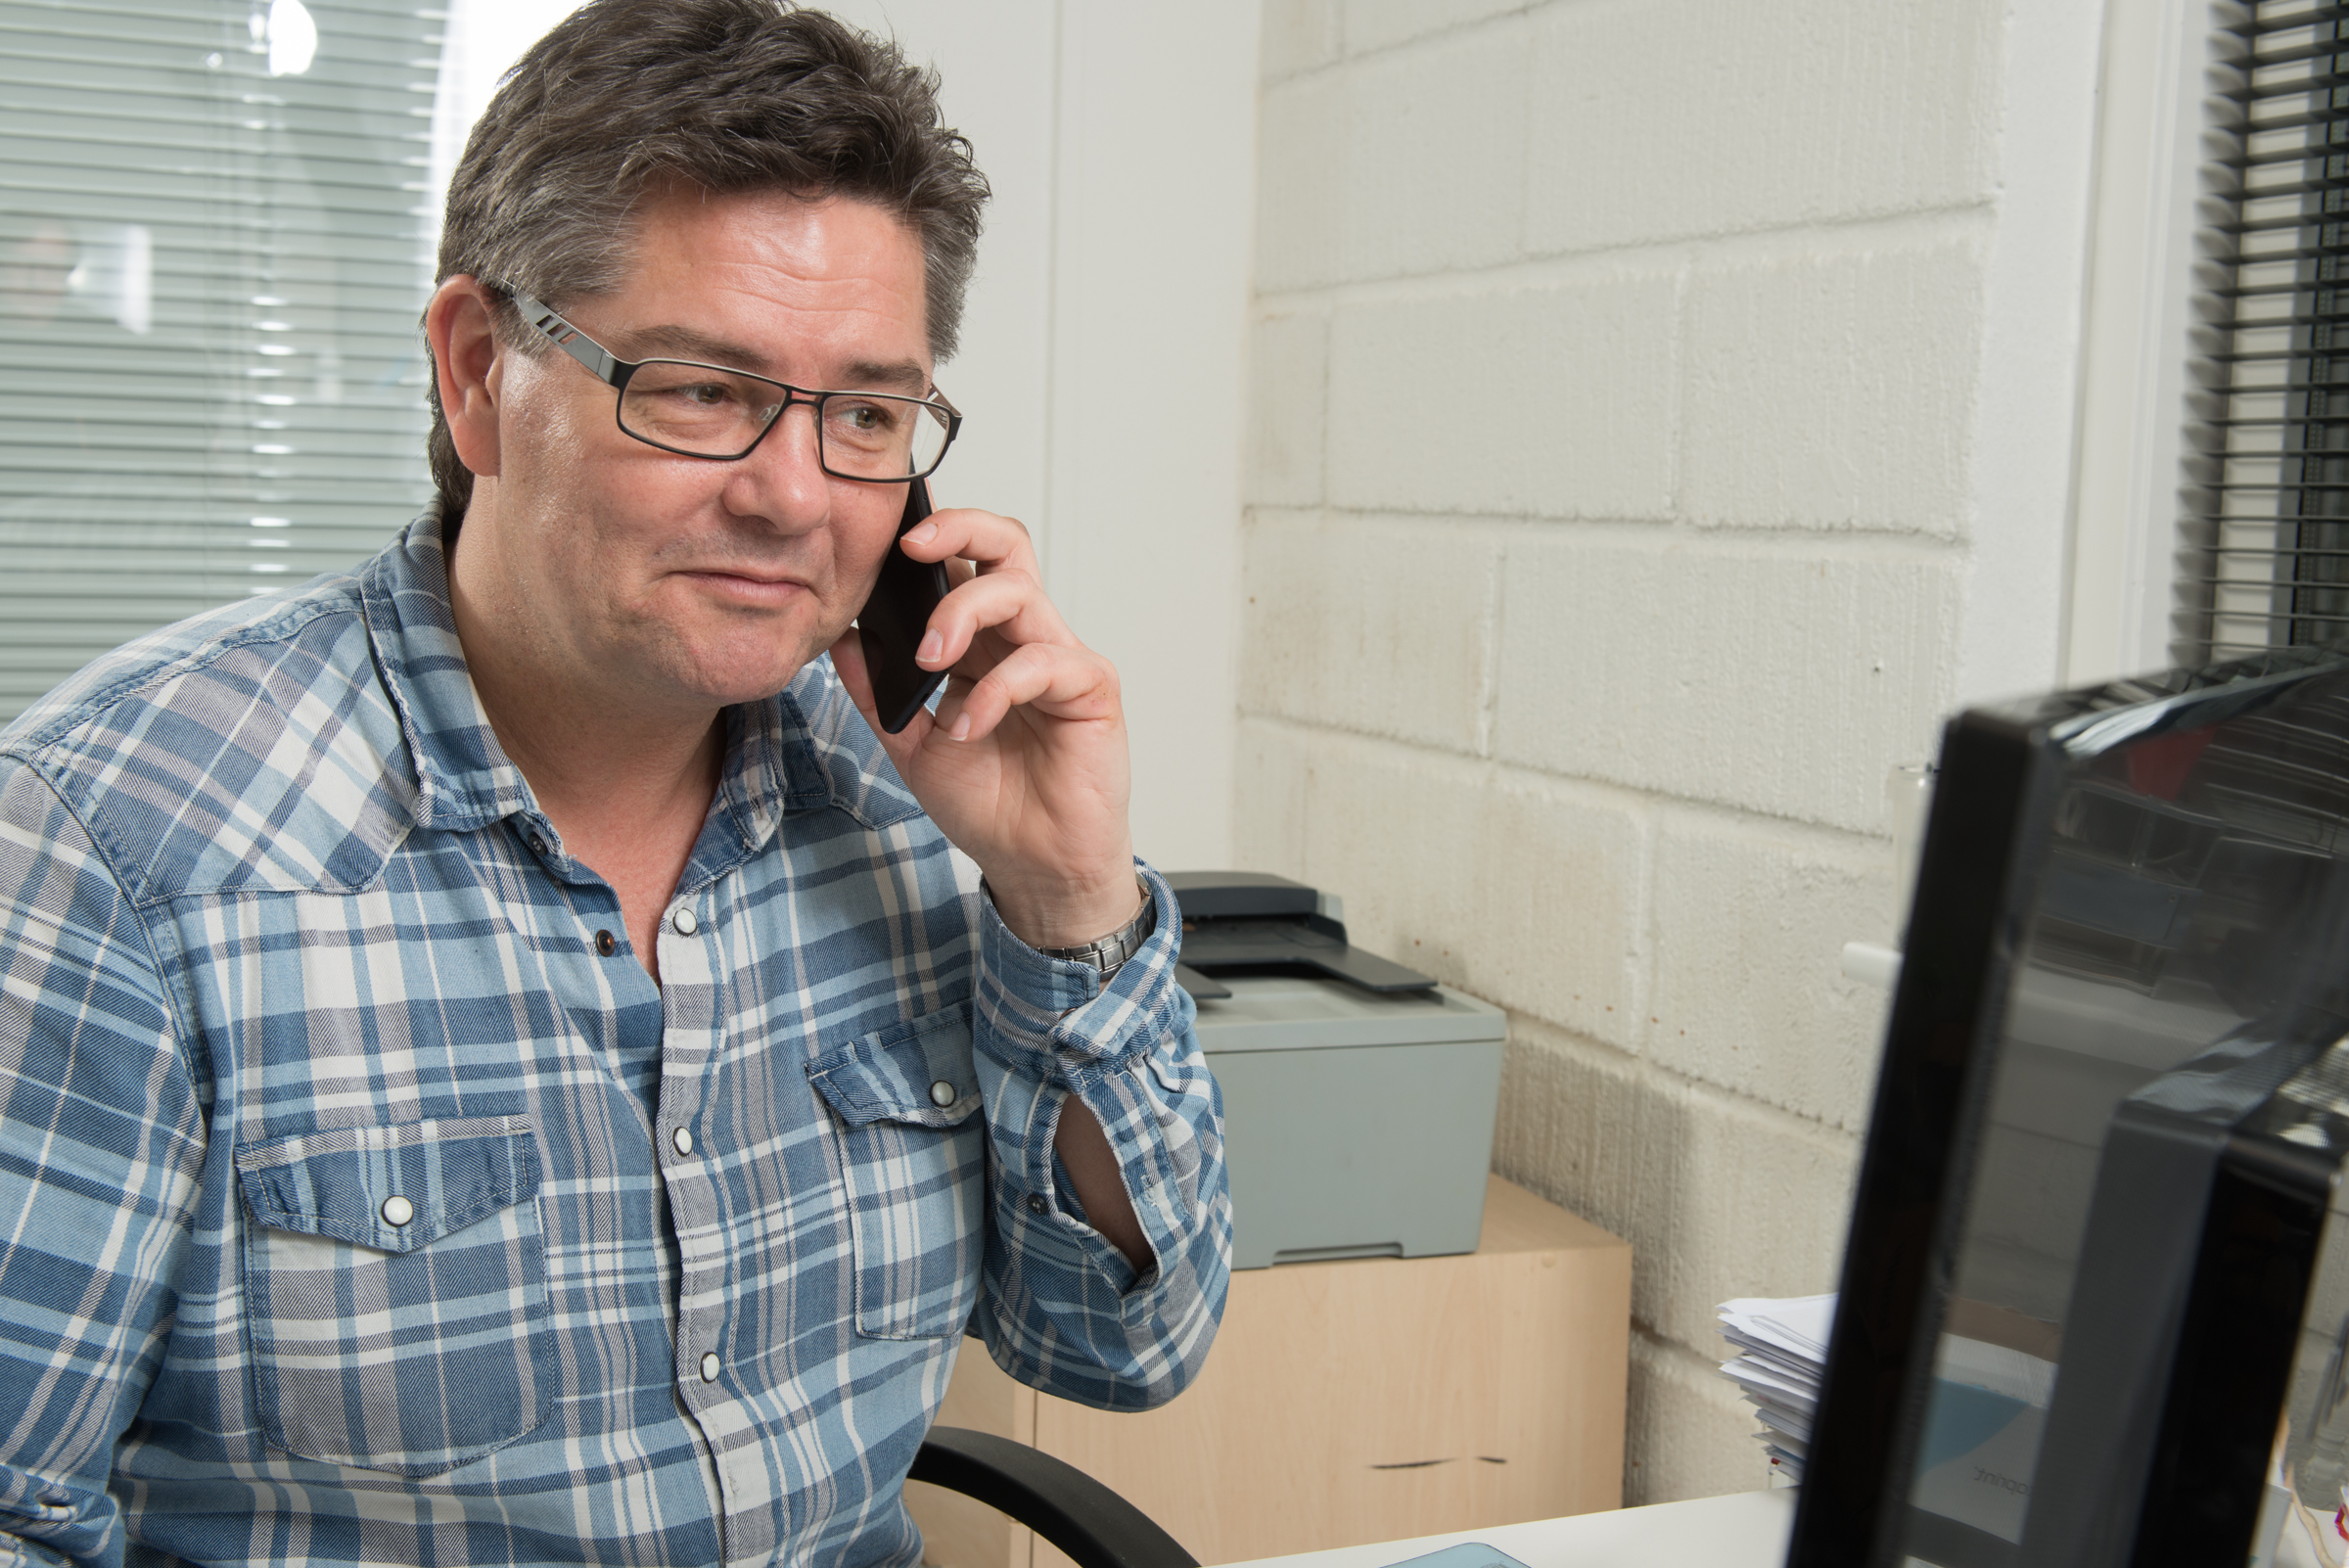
(367, 1204)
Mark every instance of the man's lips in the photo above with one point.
(754, 585)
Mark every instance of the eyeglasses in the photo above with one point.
(699, 410)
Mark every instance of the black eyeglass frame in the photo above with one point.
(615, 372)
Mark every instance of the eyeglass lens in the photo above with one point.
(717, 413)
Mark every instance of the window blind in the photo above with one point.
(2266, 537)
(212, 258)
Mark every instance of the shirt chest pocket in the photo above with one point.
(910, 1154)
(396, 1292)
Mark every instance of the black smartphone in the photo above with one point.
(893, 621)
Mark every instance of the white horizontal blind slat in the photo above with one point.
(2264, 533)
(209, 285)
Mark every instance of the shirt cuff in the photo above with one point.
(1061, 1004)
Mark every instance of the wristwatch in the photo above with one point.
(1112, 950)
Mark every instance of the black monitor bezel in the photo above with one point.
(2000, 773)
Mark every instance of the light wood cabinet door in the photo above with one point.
(1352, 1402)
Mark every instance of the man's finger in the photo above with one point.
(1009, 602)
(1065, 682)
(996, 542)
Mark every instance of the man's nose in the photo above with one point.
(783, 479)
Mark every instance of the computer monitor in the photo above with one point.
(2087, 1272)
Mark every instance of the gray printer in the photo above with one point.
(1358, 1094)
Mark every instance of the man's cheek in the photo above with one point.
(866, 571)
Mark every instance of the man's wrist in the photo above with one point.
(1060, 925)
(1108, 954)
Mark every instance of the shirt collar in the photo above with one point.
(464, 779)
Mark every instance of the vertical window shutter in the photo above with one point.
(2266, 557)
(212, 258)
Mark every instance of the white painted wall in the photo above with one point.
(1102, 359)
(2158, 58)
(1102, 365)
(1664, 415)
(2011, 633)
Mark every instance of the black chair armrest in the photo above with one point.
(1093, 1525)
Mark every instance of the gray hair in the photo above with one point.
(727, 95)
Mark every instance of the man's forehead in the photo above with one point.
(676, 340)
(740, 279)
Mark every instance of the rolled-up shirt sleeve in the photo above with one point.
(1062, 1308)
(101, 1142)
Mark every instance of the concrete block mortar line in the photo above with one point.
(1488, 672)
(1455, 528)
(1294, 31)
(1675, 814)
(1512, 17)
(1485, 772)
(1321, 458)
(1518, 14)
(1688, 1432)
(1676, 1166)
(1676, 437)
(1803, 540)
(1287, 77)
(1700, 1364)
(1651, 941)
(1812, 240)
(1305, 74)
(1697, 1357)
(1601, 791)
(1768, 542)
(1264, 308)
(1844, 1143)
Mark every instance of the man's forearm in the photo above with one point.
(1093, 1169)
(1115, 1311)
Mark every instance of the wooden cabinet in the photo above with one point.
(1352, 1402)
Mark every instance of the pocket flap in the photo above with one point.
(895, 1074)
(339, 1183)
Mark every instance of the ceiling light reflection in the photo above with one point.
(293, 38)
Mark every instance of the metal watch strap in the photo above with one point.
(1112, 950)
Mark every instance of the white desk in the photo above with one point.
(1746, 1530)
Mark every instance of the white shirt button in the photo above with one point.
(681, 1140)
(398, 1211)
(709, 1366)
(684, 921)
(942, 1093)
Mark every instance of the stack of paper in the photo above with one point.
(1782, 1355)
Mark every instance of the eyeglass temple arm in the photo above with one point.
(568, 338)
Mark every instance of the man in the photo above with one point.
(498, 1060)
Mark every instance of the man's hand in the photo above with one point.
(1024, 767)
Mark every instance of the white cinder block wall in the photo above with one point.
(1617, 518)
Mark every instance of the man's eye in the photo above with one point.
(706, 394)
(865, 419)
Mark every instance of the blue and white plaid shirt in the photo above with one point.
(366, 1203)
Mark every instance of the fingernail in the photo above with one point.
(962, 727)
(932, 646)
(922, 533)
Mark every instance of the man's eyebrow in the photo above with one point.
(686, 342)
(905, 375)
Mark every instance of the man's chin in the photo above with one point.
(725, 677)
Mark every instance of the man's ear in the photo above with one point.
(465, 365)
